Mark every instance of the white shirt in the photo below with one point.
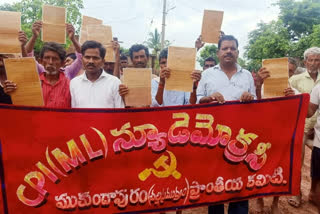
(170, 98)
(315, 99)
(102, 93)
(215, 80)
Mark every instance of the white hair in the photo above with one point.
(311, 51)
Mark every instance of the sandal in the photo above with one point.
(295, 201)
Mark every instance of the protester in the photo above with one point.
(54, 83)
(292, 65)
(209, 62)
(108, 67)
(123, 64)
(95, 88)
(227, 81)
(71, 70)
(304, 83)
(314, 194)
(262, 74)
(162, 97)
(70, 58)
(139, 55)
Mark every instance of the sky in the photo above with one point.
(133, 20)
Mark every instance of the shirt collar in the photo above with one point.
(102, 75)
(43, 78)
(307, 75)
(239, 68)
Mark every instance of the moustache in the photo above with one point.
(228, 55)
(90, 65)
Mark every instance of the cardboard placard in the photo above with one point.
(87, 20)
(278, 80)
(211, 26)
(54, 24)
(102, 34)
(9, 29)
(138, 80)
(23, 72)
(181, 62)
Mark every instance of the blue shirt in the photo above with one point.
(215, 80)
(170, 98)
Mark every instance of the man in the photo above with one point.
(139, 55)
(95, 88)
(209, 62)
(123, 64)
(54, 83)
(108, 67)
(292, 65)
(70, 58)
(304, 83)
(227, 81)
(70, 70)
(314, 195)
(162, 97)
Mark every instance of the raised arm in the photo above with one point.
(36, 29)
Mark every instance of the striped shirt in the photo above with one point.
(57, 95)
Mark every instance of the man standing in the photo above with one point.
(54, 83)
(162, 97)
(95, 88)
(139, 55)
(227, 81)
(314, 195)
(304, 83)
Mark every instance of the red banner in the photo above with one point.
(151, 159)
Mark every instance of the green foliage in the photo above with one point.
(31, 11)
(208, 51)
(124, 51)
(299, 16)
(267, 41)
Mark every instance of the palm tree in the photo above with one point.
(154, 42)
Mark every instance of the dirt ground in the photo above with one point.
(285, 208)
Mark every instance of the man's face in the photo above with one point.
(139, 59)
(109, 67)
(68, 61)
(312, 63)
(228, 53)
(51, 63)
(92, 60)
(163, 63)
(208, 64)
(124, 63)
(292, 69)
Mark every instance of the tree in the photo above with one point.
(154, 42)
(299, 16)
(208, 51)
(268, 41)
(31, 11)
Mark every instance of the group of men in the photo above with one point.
(64, 85)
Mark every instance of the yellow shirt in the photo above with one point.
(304, 84)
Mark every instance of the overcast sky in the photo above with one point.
(133, 20)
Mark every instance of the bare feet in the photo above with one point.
(274, 207)
(260, 206)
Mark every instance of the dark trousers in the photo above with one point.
(240, 207)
